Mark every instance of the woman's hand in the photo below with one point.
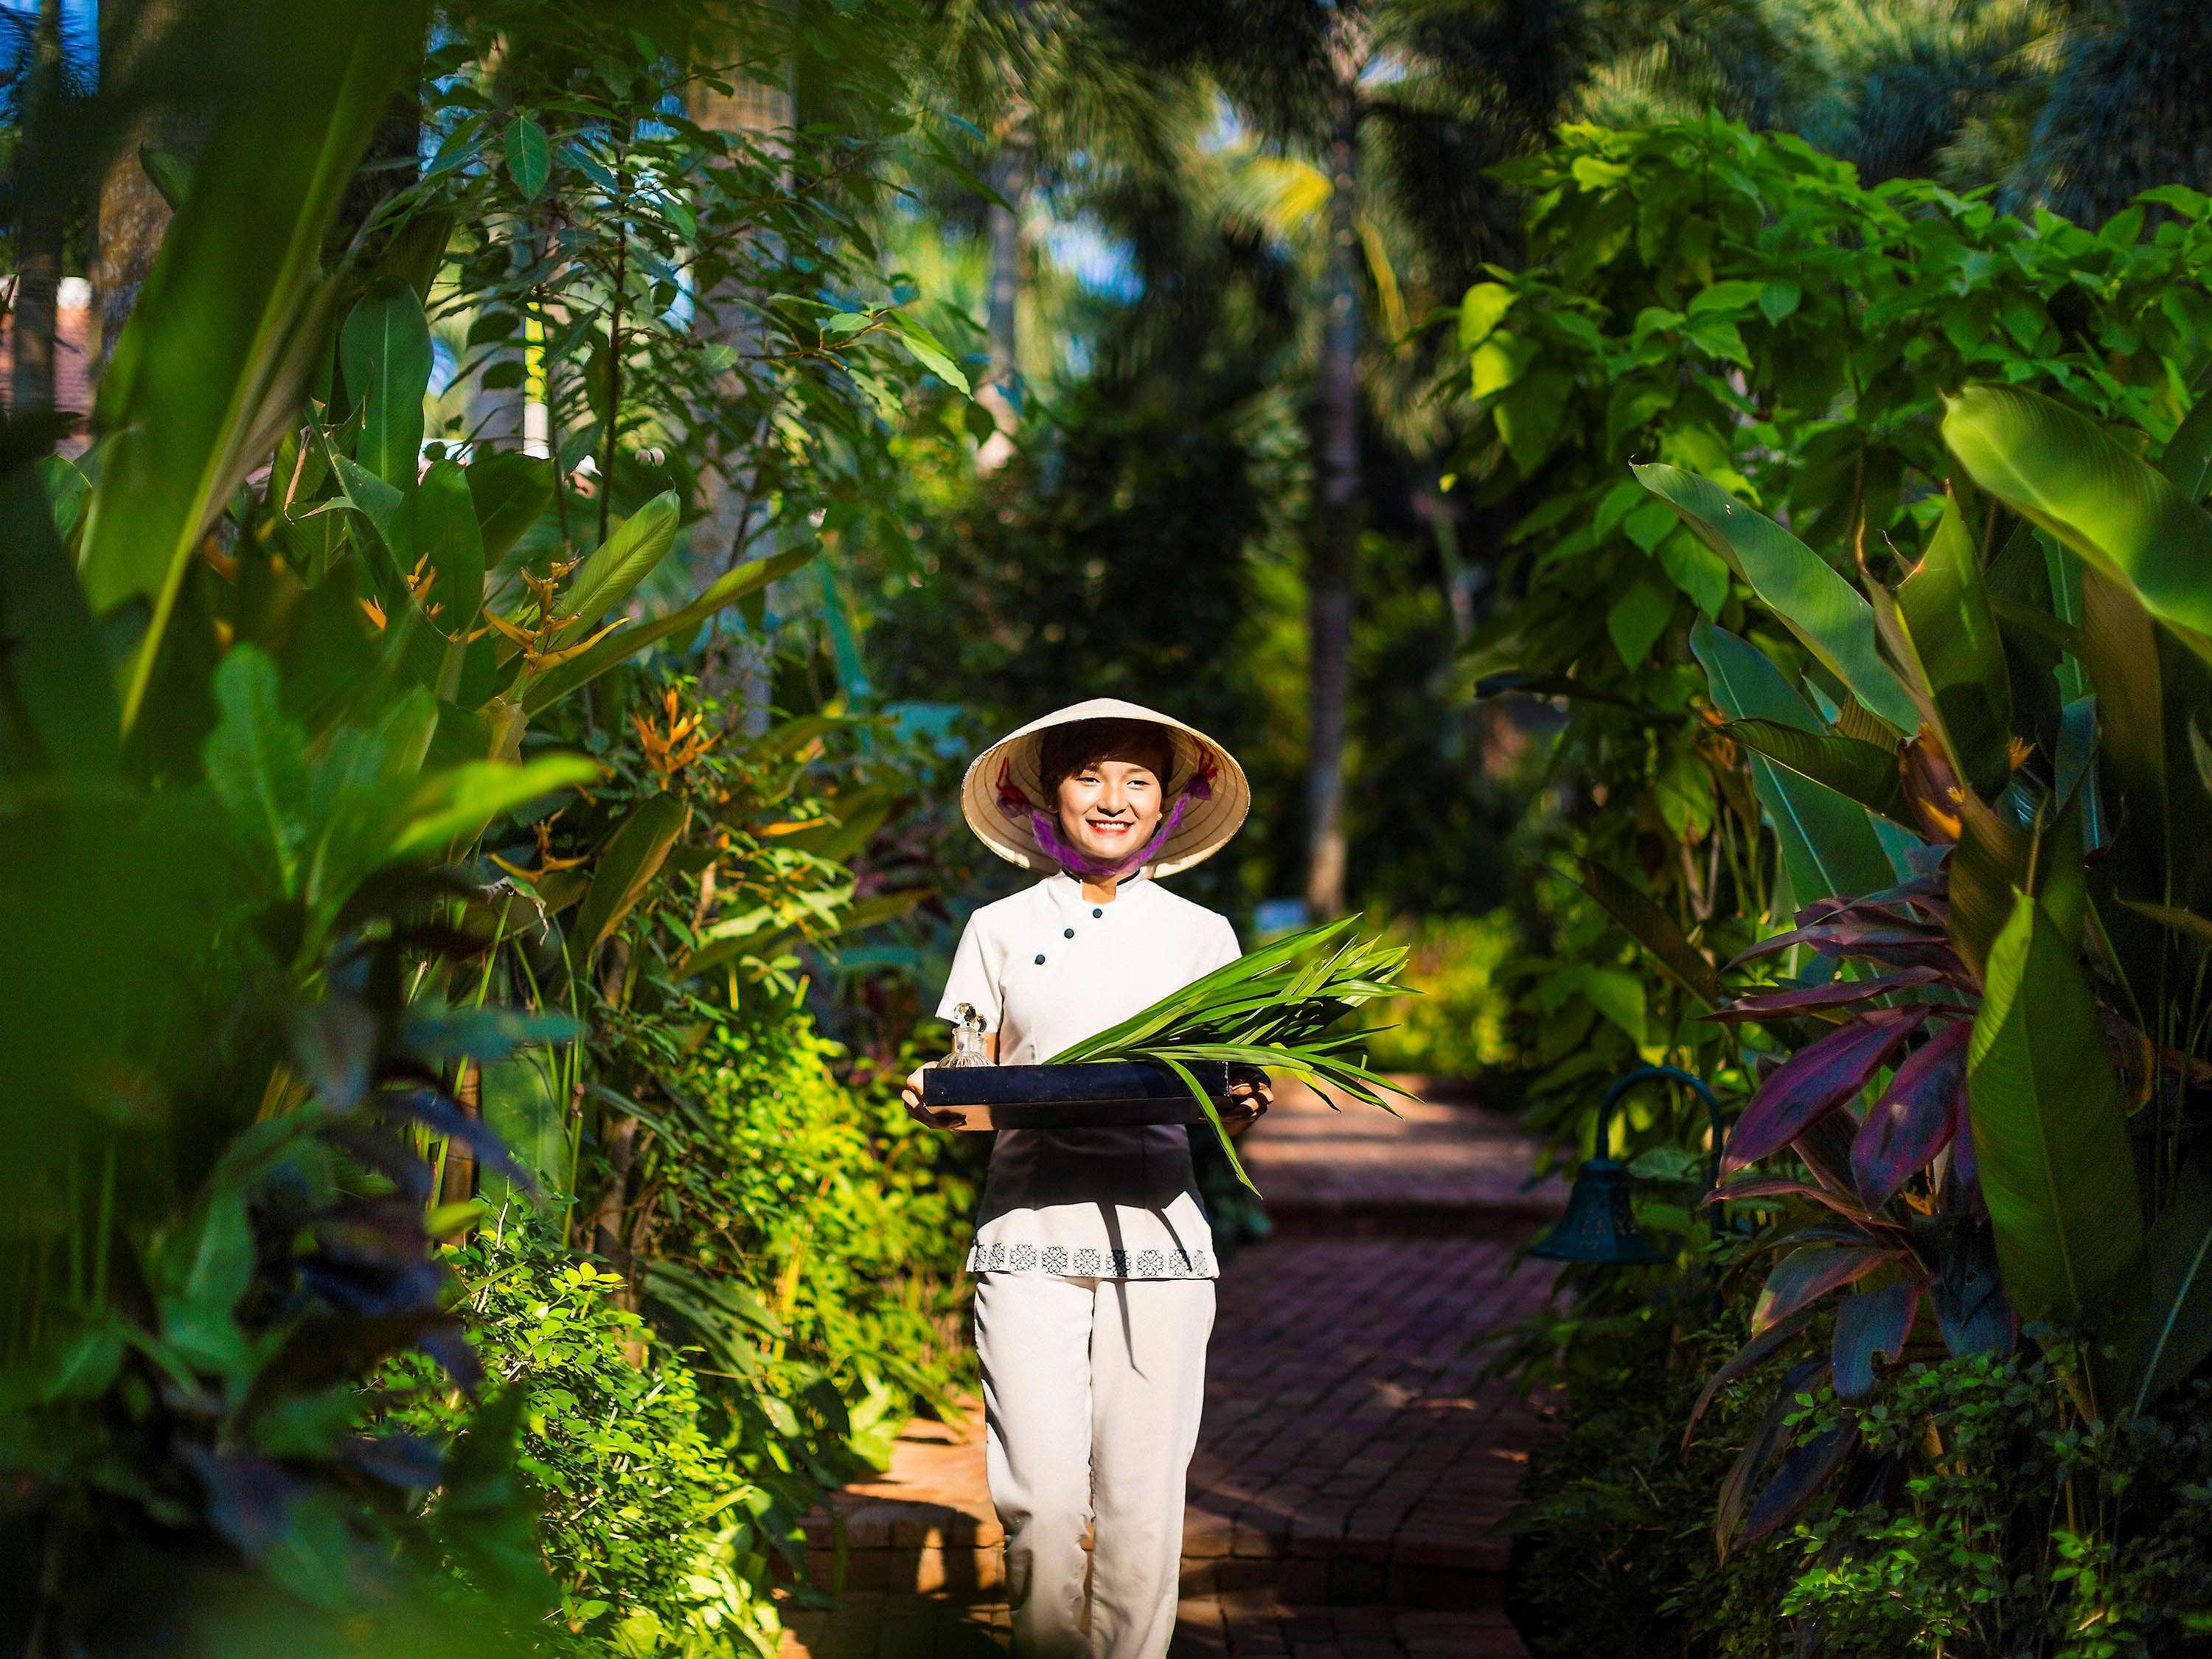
(920, 1114)
(1256, 1093)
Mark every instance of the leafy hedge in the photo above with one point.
(1740, 307)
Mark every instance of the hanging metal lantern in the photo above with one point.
(1600, 1225)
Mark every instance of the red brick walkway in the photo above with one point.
(1352, 1464)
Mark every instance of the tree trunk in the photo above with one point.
(133, 215)
(739, 665)
(392, 162)
(457, 1184)
(1013, 170)
(1332, 548)
(38, 263)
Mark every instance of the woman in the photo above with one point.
(1094, 1298)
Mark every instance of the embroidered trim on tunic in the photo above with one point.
(1089, 1263)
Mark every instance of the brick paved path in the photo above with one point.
(1352, 1464)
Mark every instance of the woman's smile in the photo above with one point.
(1110, 806)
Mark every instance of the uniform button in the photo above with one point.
(1070, 934)
(1040, 958)
(1097, 913)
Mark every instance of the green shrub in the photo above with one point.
(1995, 1523)
(660, 1534)
(824, 1201)
(2014, 1528)
(1457, 1026)
(1615, 1552)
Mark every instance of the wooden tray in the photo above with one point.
(1108, 1094)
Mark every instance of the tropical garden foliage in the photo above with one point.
(439, 1205)
(470, 720)
(1939, 711)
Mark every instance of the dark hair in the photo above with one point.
(1065, 749)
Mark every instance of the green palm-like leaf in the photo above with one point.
(2065, 473)
(625, 558)
(1271, 1008)
(220, 345)
(2050, 1125)
(1821, 608)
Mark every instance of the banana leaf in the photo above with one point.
(2050, 1127)
(1956, 651)
(1858, 771)
(2066, 474)
(1828, 844)
(1821, 608)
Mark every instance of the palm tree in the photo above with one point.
(1370, 121)
(1058, 98)
(136, 37)
(2074, 105)
(2129, 107)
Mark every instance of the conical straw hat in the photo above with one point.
(1005, 781)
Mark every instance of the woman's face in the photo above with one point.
(1109, 808)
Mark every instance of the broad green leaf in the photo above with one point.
(613, 571)
(229, 324)
(510, 489)
(460, 801)
(2050, 1127)
(437, 523)
(1619, 996)
(385, 347)
(1858, 771)
(2118, 646)
(529, 157)
(209, 1264)
(928, 350)
(1480, 311)
(80, 1362)
(549, 687)
(2068, 475)
(256, 761)
(170, 172)
(1946, 615)
(1635, 619)
(1821, 608)
(2186, 460)
(1499, 362)
(1696, 570)
(1528, 416)
(59, 711)
(1828, 844)
(625, 868)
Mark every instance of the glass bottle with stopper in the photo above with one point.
(968, 1047)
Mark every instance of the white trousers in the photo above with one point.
(1092, 1394)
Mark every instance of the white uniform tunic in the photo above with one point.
(1045, 968)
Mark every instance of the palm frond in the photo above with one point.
(1271, 1009)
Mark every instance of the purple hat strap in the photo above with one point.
(1045, 826)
